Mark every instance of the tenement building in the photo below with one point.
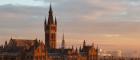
(24, 49)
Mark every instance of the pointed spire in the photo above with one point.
(80, 49)
(45, 20)
(72, 47)
(63, 37)
(50, 11)
(55, 21)
(84, 43)
(63, 41)
(5, 42)
(11, 38)
(45, 24)
(50, 18)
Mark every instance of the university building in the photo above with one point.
(23, 49)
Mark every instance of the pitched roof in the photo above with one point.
(23, 43)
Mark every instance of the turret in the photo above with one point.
(80, 49)
(5, 44)
(72, 47)
(11, 38)
(84, 43)
(55, 21)
(63, 42)
(45, 24)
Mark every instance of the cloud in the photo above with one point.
(111, 35)
(106, 20)
(22, 10)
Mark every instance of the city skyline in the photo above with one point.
(108, 25)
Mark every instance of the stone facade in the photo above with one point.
(19, 49)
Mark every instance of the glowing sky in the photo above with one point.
(112, 24)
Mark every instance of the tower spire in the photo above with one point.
(63, 42)
(55, 21)
(50, 8)
(63, 36)
(50, 17)
(84, 43)
(45, 23)
(50, 30)
(11, 38)
(45, 20)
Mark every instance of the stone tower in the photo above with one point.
(50, 29)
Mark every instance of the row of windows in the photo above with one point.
(53, 36)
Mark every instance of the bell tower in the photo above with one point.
(50, 28)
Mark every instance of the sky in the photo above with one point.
(110, 24)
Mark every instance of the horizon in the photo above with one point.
(112, 25)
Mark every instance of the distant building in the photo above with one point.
(21, 49)
(18, 49)
(114, 53)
